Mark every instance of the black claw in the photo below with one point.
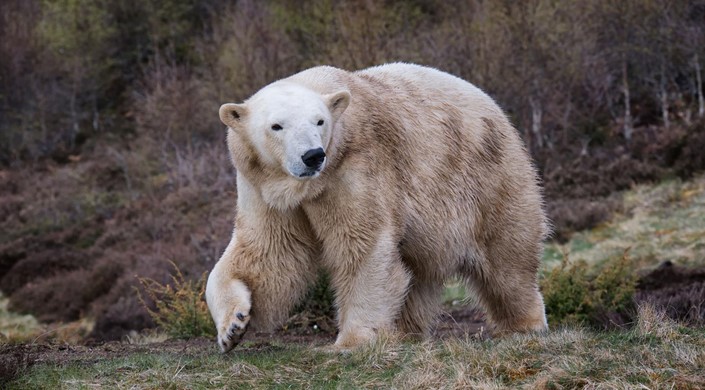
(240, 316)
(234, 335)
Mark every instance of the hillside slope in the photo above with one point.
(656, 223)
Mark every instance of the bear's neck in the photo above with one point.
(287, 193)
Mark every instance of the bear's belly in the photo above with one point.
(439, 248)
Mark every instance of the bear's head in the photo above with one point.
(286, 127)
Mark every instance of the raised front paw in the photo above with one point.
(229, 301)
(231, 330)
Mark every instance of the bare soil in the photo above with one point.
(677, 290)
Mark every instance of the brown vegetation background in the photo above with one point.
(113, 161)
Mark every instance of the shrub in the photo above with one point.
(176, 108)
(691, 158)
(614, 287)
(180, 310)
(319, 299)
(574, 295)
(565, 292)
(65, 296)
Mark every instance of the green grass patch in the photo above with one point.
(565, 357)
(455, 293)
(659, 223)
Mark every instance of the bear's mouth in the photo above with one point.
(308, 173)
(305, 173)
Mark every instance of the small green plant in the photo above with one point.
(180, 309)
(574, 295)
(566, 291)
(614, 287)
(316, 308)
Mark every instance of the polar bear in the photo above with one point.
(391, 179)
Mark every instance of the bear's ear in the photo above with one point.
(337, 103)
(232, 114)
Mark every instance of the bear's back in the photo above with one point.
(433, 84)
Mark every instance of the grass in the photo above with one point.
(659, 223)
(24, 328)
(455, 293)
(16, 327)
(657, 353)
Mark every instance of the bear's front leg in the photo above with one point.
(264, 271)
(260, 277)
(370, 290)
(229, 301)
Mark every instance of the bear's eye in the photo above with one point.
(276, 127)
(320, 122)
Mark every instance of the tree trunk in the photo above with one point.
(536, 114)
(663, 95)
(584, 144)
(566, 123)
(74, 116)
(96, 114)
(699, 87)
(628, 125)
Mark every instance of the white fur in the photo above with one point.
(424, 178)
(226, 299)
(297, 110)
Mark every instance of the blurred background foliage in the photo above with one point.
(112, 157)
(568, 72)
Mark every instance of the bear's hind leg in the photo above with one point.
(421, 307)
(508, 291)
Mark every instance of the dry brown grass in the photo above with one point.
(566, 358)
(15, 327)
(657, 353)
(663, 222)
(25, 329)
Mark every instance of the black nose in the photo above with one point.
(314, 158)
